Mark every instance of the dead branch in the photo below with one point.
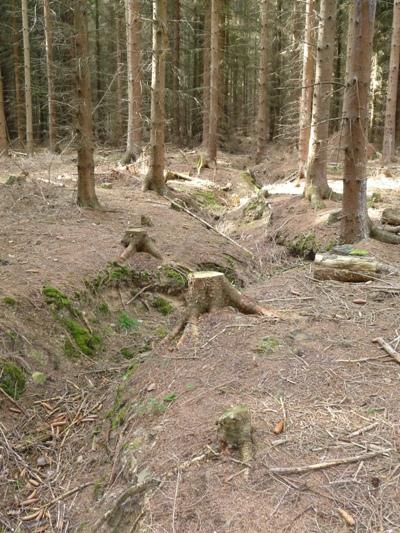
(387, 348)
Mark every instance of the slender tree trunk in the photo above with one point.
(206, 72)
(99, 85)
(355, 222)
(176, 65)
(155, 177)
(51, 101)
(27, 72)
(317, 187)
(263, 104)
(118, 131)
(306, 99)
(214, 83)
(133, 29)
(388, 149)
(3, 125)
(84, 124)
(19, 97)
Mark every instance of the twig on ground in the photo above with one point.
(138, 294)
(388, 349)
(11, 400)
(362, 430)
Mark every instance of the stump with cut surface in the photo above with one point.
(235, 431)
(137, 240)
(348, 264)
(209, 291)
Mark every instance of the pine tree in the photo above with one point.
(263, 104)
(214, 83)
(51, 100)
(27, 76)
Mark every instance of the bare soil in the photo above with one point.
(101, 424)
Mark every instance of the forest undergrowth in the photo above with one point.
(107, 425)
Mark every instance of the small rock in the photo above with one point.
(79, 459)
(151, 387)
(42, 461)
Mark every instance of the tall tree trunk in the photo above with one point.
(27, 72)
(306, 99)
(388, 149)
(176, 65)
(355, 223)
(263, 104)
(214, 83)
(133, 28)
(84, 124)
(3, 125)
(155, 177)
(19, 97)
(317, 187)
(118, 131)
(99, 85)
(206, 72)
(51, 101)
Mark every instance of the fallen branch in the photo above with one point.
(387, 348)
(326, 464)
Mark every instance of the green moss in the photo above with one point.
(268, 345)
(161, 332)
(375, 198)
(249, 179)
(84, 340)
(359, 252)
(12, 379)
(117, 413)
(116, 274)
(176, 277)
(305, 245)
(56, 298)
(162, 306)
(9, 300)
(103, 308)
(127, 353)
(208, 199)
(126, 322)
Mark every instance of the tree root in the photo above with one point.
(136, 240)
(382, 235)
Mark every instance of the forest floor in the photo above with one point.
(116, 430)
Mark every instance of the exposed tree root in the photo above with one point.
(136, 240)
(316, 196)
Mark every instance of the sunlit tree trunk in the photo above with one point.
(133, 26)
(388, 149)
(3, 125)
(206, 72)
(27, 74)
(84, 123)
(306, 99)
(118, 129)
(355, 223)
(176, 65)
(214, 83)
(263, 104)
(155, 179)
(317, 187)
(51, 101)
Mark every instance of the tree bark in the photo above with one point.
(317, 187)
(214, 83)
(155, 177)
(176, 65)
(84, 124)
(263, 104)
(27, 73)
(133, 29)
(3, 125)
(51, 101)
(118, 129)
(388, 149)
(19, 97)
(306, 99)
(206, 73)
(99, 71)
(355, 222)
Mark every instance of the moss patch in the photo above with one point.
(162, 306)
(56, 298)
(267, 345)
(85, 341)
(126, 322)
(115, 275)
(207, 199)
(9, 300)
(12, 379)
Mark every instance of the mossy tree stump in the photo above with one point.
(137, 240)
(210, 291)
(235, 431)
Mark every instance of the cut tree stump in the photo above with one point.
(209, 291)
(354, 267)
(137, 240)
(391, 216)
(235, 431)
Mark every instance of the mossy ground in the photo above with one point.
(12, 379)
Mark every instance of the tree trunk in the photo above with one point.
(3, 125)
(84, 124)
(176, 65)
(388, 149)
(27, 72)
(133, 29)
(355, 223)
(19, 97)
(214, 83)
(155, 177)
(206, 73)
(263, 104)
(99, 71)
(317, 187)
(51, 101)
(118, 130)
(306, 100)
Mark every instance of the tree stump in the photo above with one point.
(348, 264)
(209, 291)
(391, 216)
(136, 240)
(235, 431)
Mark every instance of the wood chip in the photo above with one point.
(347, 517)
(359, 301)
(279, 427)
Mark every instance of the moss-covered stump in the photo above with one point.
(347, 264)
(210, 291)
(137, 240)
(235, 431)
